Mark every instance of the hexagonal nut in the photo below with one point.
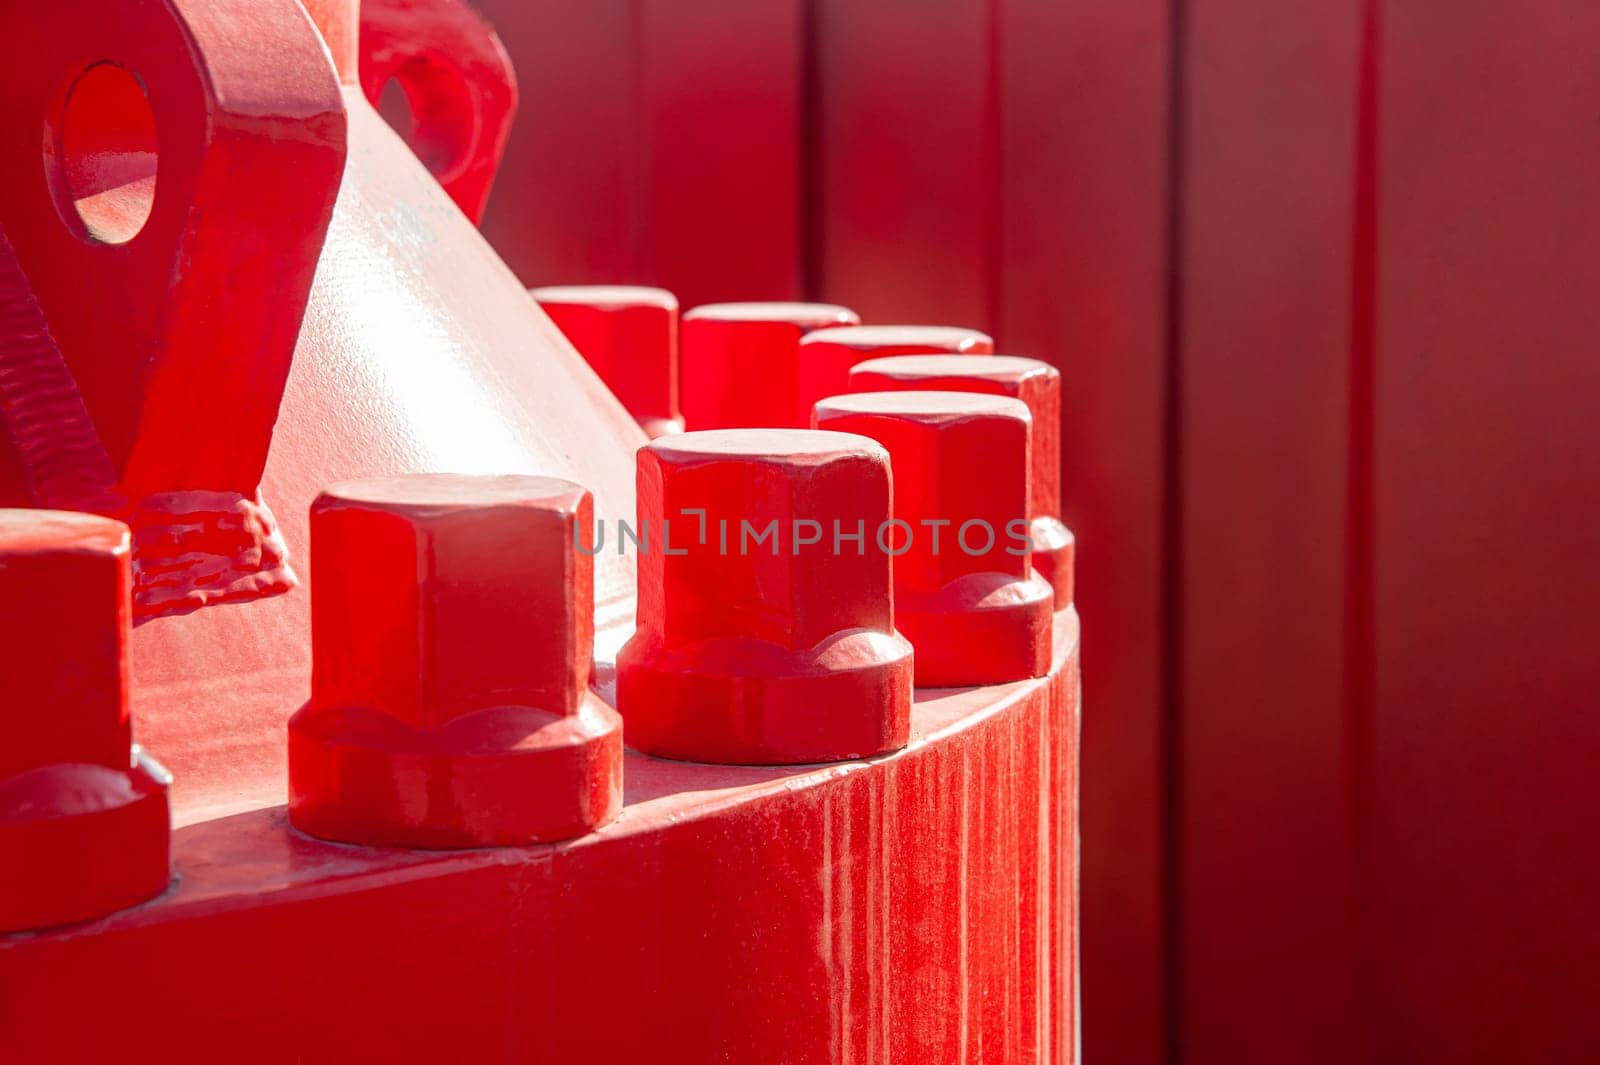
(452, 632)
(1036, 383)
(741, 362)
(629, 335)
(827, 355)
(766, 635)
(965, 593)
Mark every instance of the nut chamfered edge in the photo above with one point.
(452, 633)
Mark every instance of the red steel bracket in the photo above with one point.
(169, 237)
(458, 91)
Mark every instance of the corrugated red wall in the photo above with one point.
(1322, 280)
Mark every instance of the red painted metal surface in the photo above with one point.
(1035, 383)
(965, 591)
(658, 143)
(629, 334)
(452, 632)
(83, 822)
(827, 355)
(763, 638)
(441, 77)
(847, 142)
(741, 362)
(915, 905)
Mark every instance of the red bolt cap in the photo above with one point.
(84, 828)
(629, 335)
(452, 622)
(827, 355)
(1036, 383)
(965, 593)
(741, 362)
(770, 638)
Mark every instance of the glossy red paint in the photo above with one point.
(965, 592)
(762, 638)
(83, 822)
(1035, 383)
(177, 340)
(756, 914)
(452, 631)
(919, 904)
(741, 362)
(827, 355)
(629, 334)
(997, 163)
(457, 91)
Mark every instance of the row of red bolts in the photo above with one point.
(453, 616)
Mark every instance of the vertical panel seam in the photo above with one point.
(1171, 742)
(810, 178)
(1360, 565)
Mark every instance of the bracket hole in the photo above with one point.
(428, 103)
(101, 155)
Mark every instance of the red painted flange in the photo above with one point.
(827, 355)
(1036, 383)
(965, 594)
(629, 335)
(741, 362)
(83, 822)
(452, 630)
(759, 640)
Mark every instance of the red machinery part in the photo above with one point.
(1036, 383)
(441, 77)
(919, 904)
(965, 592)
(452, 631)
(762, 640)
(83, 813)
(741, 362)
(629, 334)
(827, 355)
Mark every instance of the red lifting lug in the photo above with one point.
(827, 355)
(440, 76)
(169, 240)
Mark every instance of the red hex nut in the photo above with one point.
(827, 355)
(452, 623)
(629, 335)
(84, 827)
(766, 622)
(1036, 383)
(965, 592)
(741, 362)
